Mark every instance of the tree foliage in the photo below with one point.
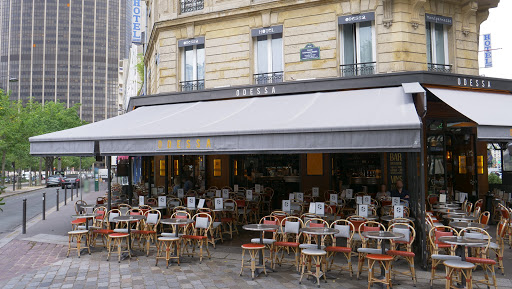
(140, 70)
(494, 179)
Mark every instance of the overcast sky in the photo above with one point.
(501, 36)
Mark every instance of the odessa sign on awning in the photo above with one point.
(490, 110)
(382, 119)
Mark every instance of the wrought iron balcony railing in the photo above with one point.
(270, 77)
(191, 5)
(365, 68)
(192, 85)
(447, 68)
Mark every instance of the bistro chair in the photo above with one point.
(241, 205)
(288, 239)
(402, 221)
(148, 233)
(314, 223)
(498, 247)
(79, 211)
(356, 221)
(313, 254)
(116, 240)
(484, 217)
(366, 248)
(151, 202)
(167, 244)
(106, 227)
(216, 227)
(440, 251)
(78, 235)
(229, 219)
(406, 242)
(266, 199)
(253, 250)
(268, 242)
(482, 257)
(199, 229)
(346, 231)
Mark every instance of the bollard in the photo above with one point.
(71, 193)
(44, 206)
(57, 199)
(24, 222)
(65, 196)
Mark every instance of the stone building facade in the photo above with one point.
(398, 39)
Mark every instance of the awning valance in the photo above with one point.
(490, 110)
(381, 119)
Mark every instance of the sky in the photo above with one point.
(501, 37)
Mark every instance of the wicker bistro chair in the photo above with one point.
(106, 228)
(79, 210)
(148, 233)
(356, 221)
(199, 235)
(482, 257)
(78, 235)
(268, 242)
(498, 247)
(346, 231)
(484, 217)
(406, 242)
(288, 239)
(312, 241)
(230, 216)
(241, 205)
(440, 251)
(367, 247)
(216, 228)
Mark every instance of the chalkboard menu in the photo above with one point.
(396, 169)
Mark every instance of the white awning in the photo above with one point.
(490, 110)
(382, 119)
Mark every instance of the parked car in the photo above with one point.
(71, 181)
(54, 181)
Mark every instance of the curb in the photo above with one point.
(6, 194)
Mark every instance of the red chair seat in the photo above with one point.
(443, 245)
(143, 232)
(480, 261)
(253, 246)
(193, 237)
(103, 231)
(287, 244)
(78, 221)
(118, 235)
(338, 249)
(401, 253)
(226, 220)
(379, 257)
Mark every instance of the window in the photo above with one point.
(269, 58)
(191, 5)
(437, 47)
(192, 68)
(357, 49)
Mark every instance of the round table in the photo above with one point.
(448, 211)
(389, 218)
(261, 228)
(461, 217)
(463, 225)
(446, 206)
(86, 217)
(383, 235)
(319, 232)
(369, 217)
(176, 222)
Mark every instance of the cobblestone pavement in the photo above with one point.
(34, 264)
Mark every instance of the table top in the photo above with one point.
(384, 235)
(370, 217)
(260, 227)
(84, 216)
(461, 217)
(319, 231)
(448, 211)
(390, 218)
(445, 206)
(176, 221)
(463, 225)
(129, 218)
(462, 241)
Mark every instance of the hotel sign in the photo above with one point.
(191, 42)
(267, 30)
(363, 17)
(438, 19)
(487, 50)
(137, 21)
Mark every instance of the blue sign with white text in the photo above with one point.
(487, 50)
(137, 22)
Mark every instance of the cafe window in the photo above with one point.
(437, 47)
(268, 58)
(357, 48)
(192, 68)
(217, 167)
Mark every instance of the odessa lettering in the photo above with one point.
(255, 91)
(470, 82)
(184, 144)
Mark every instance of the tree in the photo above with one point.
(9, 129)
(140, 70)
(494, 179)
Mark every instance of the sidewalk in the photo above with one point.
(38, 259)
(24, 189)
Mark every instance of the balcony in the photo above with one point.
(270, 77)
(356, 69)
(192, 85)
(191, 5)
(446, 68)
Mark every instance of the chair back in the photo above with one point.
(407, 230)
(152, 202)
(477, 233)
(402, 221)
(357, 221)
(345, 229)
(78, 207)
(202, 224)
(153, 218)
(484, 217)
(113, 213)
(290, 228)
(437, 232)
(134, 212)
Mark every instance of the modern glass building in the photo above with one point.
(65, 50)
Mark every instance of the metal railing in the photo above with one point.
(447, 68)
(270, 77)
(192, 85)
(191, 5)
(365, 68)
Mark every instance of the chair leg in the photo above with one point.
(69, 245)
(448, 278)
(78, 240)
(302, 266)
(157, 254)
(242, 267)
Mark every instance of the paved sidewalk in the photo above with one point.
(25, 189)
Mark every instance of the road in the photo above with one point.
(11, 216)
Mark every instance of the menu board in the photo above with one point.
(316, 192)
(398, 212)
(162, 201)
(286, 205)
(363, 210)
(248, 195)
(219, 204)
(396, 168)
(235, 188)
(180, 193)
(299, 197)
(141, 200)
(367, 200)
(191, 202)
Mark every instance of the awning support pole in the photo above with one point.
(130, 181)
(422, 212)
(166, 190)
(109, 182)
(150, 181)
